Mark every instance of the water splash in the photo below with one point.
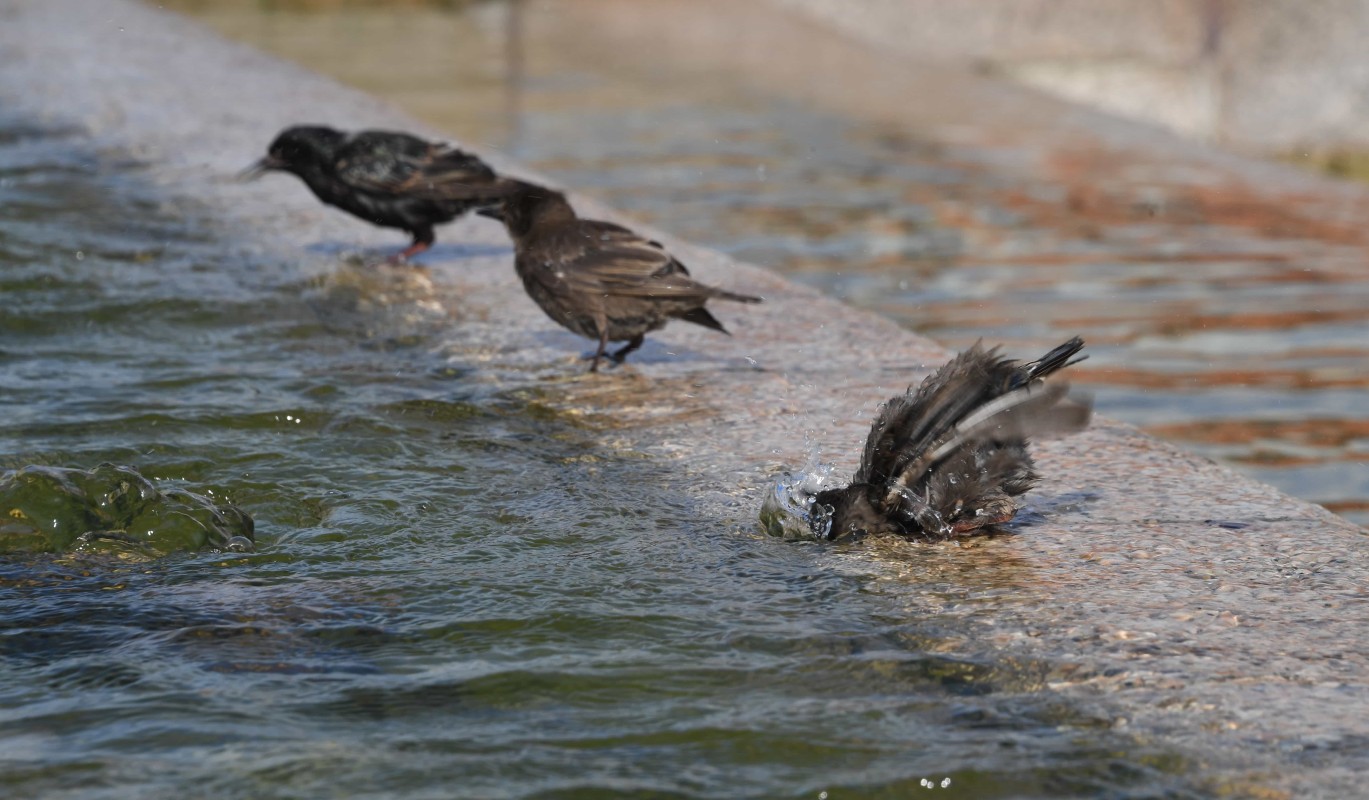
(790, 510)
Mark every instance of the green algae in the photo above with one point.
(111, 510)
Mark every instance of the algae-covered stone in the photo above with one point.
(186, 521)
(111, 510)
(114, 493)
(44, 510)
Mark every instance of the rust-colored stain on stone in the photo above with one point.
(1334, 433)
(1115, 187)
(1267, 378)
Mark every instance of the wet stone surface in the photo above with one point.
(481, 570)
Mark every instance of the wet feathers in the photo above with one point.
(950, 457)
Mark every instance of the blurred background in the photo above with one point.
(1225, 307)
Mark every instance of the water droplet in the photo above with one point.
(945, 783)
(790, 510)
(80, 255)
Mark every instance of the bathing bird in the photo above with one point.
(388, 178)
(597, 278)
(950, 457)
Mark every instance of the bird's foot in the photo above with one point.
(622, 353)
(402, 257)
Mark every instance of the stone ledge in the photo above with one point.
(1266, 75)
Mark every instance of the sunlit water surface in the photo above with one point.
(1249, 349)
(456, 593)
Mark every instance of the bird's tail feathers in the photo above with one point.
(1057, 359)
(723, 294)
(701, 316)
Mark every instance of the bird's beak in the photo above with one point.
(265, 165)
(493, 212)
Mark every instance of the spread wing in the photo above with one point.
(397, 164)
(963, 405)
(909, 424)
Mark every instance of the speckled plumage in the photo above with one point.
(949, 458)
(387, 178)
(597, 278)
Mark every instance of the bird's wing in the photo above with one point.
(616, 261)
(1034, 410)
(1039, 409)
(397, 164)
(910, 424)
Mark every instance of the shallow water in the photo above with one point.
(1248, 348)
(457, 592)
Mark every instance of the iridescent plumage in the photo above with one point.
(387, 178)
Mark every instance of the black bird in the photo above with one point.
(948, 458)
(599, 279)
(388, 178)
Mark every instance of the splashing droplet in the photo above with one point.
(789, 511)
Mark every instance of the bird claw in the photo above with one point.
(595, 358)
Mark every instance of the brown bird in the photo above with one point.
(948, 458)
(388, 178)
(599, 279)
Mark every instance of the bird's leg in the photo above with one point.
(423, 239)
(622, 352)
(603, 345)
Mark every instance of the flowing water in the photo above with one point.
(456, 592)
(1241, 336)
